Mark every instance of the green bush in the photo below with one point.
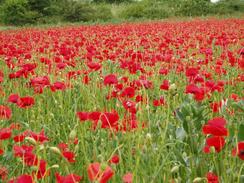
(156, 11)
(1, 14)
(16, 12)
(146, 10)
(75, 11)
(194, 8)
(228, 7)
(133, 10)
(40, 6)
(103, 12)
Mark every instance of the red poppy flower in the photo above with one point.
(110, 79)
(163, 71)
(217, 142)
(128, 92)
(13, 98)
(159, 102)
(19, 151)
(1, 152)
(216, 127)
(63, 146)
(196, 91)
(71, 178)
(95, 173)
(139, 98)
(3, 173)
(164, 85)
(239, 150)
(39, 83)
(5, 112)
(26, 153)
(19, 138)
(130, 106)
(115, 159)
(30, 159)
(94, 66)
(58, 86)
(128, 178)
(1, 76)
(70, 156)
(94, 116)
(25, 102)
(83, 116)
(191, 72)
(215, 106)
(22, 179)
(212, 178)
(39, 137)
(109, 119)
(41, 172)
(5, 133)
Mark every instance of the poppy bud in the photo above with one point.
(149, 137)
(175, 169)
(55, 166)
(55, 150)
(188, 118)
(41, 147)
(103, 166)
(198, 179)
(212, 149)
(172, 87)
(72, 135)
(100, 157)
(76, 148)
(31, 140)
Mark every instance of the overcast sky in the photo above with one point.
(214, 1)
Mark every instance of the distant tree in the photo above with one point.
(40, 6)
(16, 12)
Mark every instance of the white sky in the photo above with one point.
(214, 1)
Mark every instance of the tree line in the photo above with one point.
(22, 12)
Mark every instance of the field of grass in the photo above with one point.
(149, 102)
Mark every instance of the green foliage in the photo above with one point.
(147, 10)
(112, 1)
(156, 11)
(16, 12)
(134, 10)
(228, 7)
(194, 8)
(103, 12)
(20, 12)
(39, 6)
(75, 11)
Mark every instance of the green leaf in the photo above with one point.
(180, 133)
(241, 133)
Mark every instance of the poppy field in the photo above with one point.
(134, 102)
